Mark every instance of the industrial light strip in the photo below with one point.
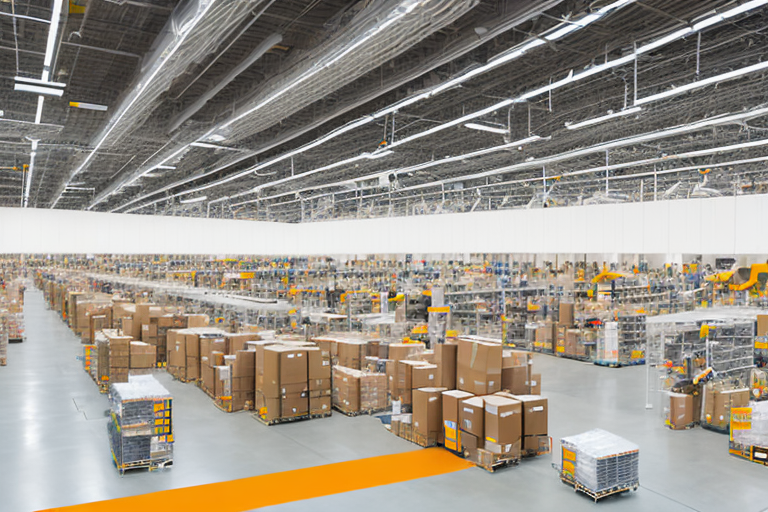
(600, 148)
(189, 26)
(571, 78)
(504, 58)
(31, 169)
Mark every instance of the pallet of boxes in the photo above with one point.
(292, 382)
(357, 387)
(477, 403)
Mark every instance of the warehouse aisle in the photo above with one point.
(53, 428)
(53, 431)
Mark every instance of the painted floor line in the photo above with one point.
(288, 486)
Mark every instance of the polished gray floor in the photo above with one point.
(54, 450)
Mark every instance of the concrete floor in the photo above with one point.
(54, 450)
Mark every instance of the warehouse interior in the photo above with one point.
(432, 254)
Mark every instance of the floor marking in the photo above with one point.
(276, 488)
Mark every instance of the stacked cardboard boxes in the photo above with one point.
(184, 354)
(282, 389)
(428, 416)
(680, 411)
(319, 375)
(142, 358)
(535, 424)
(718, 404)
(355, 391)
(119, 359)
(451, 405)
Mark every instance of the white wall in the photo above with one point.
(718, 226)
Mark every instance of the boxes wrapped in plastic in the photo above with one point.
(600, 461)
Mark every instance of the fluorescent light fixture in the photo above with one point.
(748, 6)
(484, 128)
(37, 81)
(170, 167)
(217, 138)
(52, 32)
(378, 154)
(703, 83)
(88, 106)
(211, 146)
(598, 120)
(193, 200)
(37, 89)
(31, 169)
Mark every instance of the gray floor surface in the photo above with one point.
(54, 450)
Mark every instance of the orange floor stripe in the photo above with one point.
(276, 488)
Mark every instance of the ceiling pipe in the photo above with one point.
(257, 53)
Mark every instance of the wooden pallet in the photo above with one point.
(367, 412)
(151, 465)
(685, 427)
(577, 487)
(279, 421)
(493, 462)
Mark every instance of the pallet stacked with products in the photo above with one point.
(749, 432)
(479, 404)
(599, 463)
(632, 338)
(293, 382)
(141, 424)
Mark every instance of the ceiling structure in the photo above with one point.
(289, 110)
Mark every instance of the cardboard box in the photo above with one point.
(318, 364)
(294, 404)
(403, 351)
(470, 443)
(445, 359)
(197, 320)
(510, 450)
(762, 325)
(424, 376)
(319, 384)
(238, 341)
(535, 414)
(478, 367)
(537, 444)
(142, 355)
(515, 380)
(451, 431)
(718, 404)
(268, 408)
(208, 378)
(566, 313)
(472, 416)
(404, 380)
(351, 353)
(428, 414)
(319, 405)
(245, 365)
(503, 420)
(680, 410)
(283, 366)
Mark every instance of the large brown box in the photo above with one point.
(210, 345)
(404, 381)
(515, 380)
(352, 353)
(143, 355)
(470, 443)
(320, 404)
(402, 351)
(539, 444)
(294, 404)
(208, 378)
(283, 366)
(197, 320)
(424, 376)
(451, 432)
(245, 365)
(566, 313)
(503, 420)
(762, 325)
(445, 359)
(472, 416)
(428, 413)
(237, 341)
(319, 384)
(680, 410)
(535, 414)
(478, 366)
(719, 403)
(318, 364)
(535, 384)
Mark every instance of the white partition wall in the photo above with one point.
(722, 226)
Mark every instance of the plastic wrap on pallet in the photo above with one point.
(140, 426)
(600, 461)
(750, 428)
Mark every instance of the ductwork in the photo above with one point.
(195, 30)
